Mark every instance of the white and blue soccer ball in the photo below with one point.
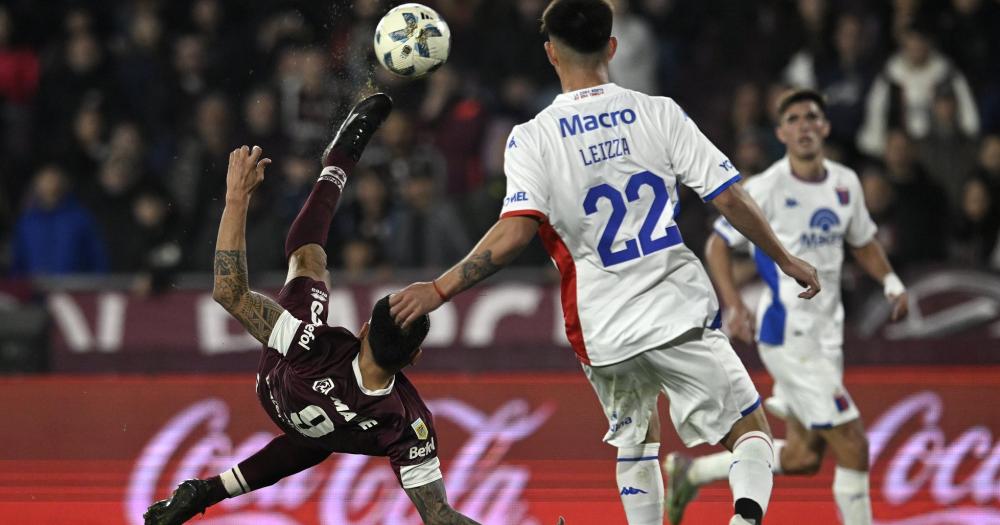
(412, 40)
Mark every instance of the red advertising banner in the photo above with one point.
(508, 326)
(515, 448)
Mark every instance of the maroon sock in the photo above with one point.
(280, 458)
(313, 222)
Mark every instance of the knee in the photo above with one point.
(801, 461)
(855, 450)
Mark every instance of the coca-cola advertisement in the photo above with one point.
(516, 448)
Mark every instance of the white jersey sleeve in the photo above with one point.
(861, 229)
(762, 196)
(698, 163)
(527, 188)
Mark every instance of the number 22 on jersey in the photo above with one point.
(647, 242)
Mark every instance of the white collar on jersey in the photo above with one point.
(357, 377)
(587, 94)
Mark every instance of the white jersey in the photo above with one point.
(812, 220)
(600, 167)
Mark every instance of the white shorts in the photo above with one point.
(811, 382)
(706, 383)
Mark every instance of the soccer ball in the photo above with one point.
(412, 40)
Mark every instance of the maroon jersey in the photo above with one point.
(309, 383)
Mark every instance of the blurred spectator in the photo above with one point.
(54, 235)
(367, 215)
(190, 78)
(843, 74)
(427, 231)
(154, 253)
(989, 160)
(903, 94)
(308, 96)
(361, 259)
(88, 144)
(142, 71)
(968, 36)
(402, 154)
(18, 65)
(265, 233)
(261, 125)
(110, 202)
(946, 152)
(978, 225)
(919, 214)
(634, 64)
(80, 74)
(455, 123)
(748, 117)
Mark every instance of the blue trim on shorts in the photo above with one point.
(824, 426)
(751, 408)
(643, 458)
(717, 322)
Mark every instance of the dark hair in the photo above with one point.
(801, 95)
(584, 25)
(392, 346)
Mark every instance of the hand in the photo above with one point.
(900, 306)
(414, 301)
(246, 171)
(804, 274)
(739, 323)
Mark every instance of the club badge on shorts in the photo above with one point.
(420, 428)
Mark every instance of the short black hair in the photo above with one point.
(584, 25)
(393, 347)
(801, 95)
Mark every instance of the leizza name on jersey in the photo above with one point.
(584, 123)
(605, 150)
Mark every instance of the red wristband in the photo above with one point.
(444, 298)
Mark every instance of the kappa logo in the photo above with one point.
(323, 386)
(632, 491)
(420, 429)
(512, 143)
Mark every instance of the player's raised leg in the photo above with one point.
(280, 458)
(308, 233)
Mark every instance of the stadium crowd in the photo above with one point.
(117, 118)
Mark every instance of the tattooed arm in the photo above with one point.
(432, 504)
(256, 312)
(505, 241)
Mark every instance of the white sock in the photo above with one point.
(640, 484)
(750, 476)
(234, 482)
(715, 467)
(850, 490)
(779, 445)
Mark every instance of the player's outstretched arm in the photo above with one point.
(432, 504)
(873, 260)
(255, 311)
(736, 205)
(504, 242)
(720, 268)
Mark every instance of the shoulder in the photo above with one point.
(842, 174)
(769, 177)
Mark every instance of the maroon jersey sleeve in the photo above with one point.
(306, 299)
(413, 451)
